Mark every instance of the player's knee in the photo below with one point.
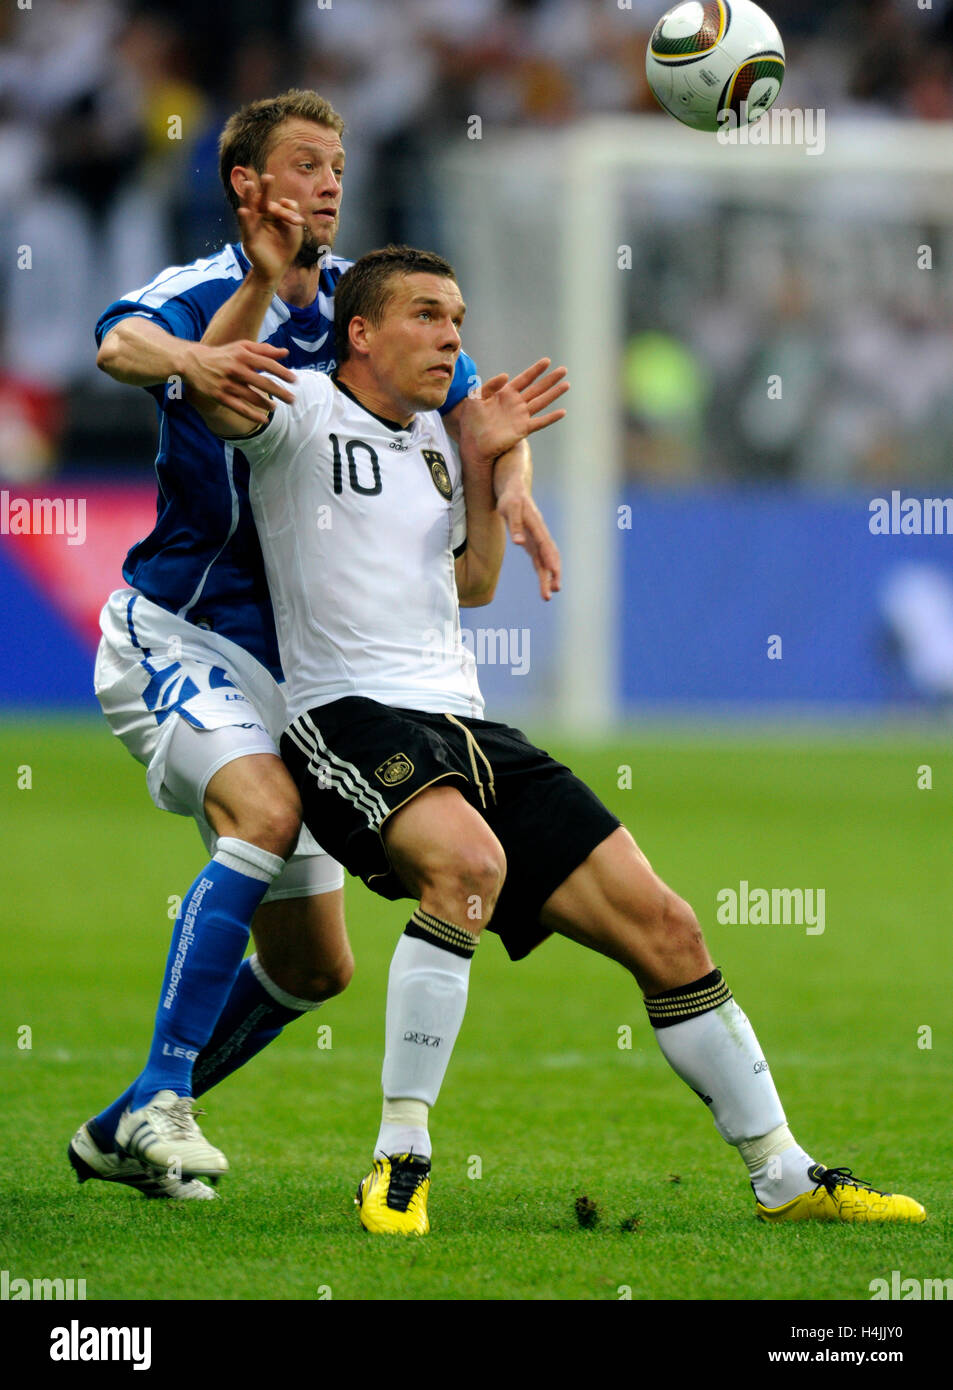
(325, 981)
(476, 877)
(278, 831)
(312, 980)
(254, 799)
(272, 824)
(672, 920)
(678, 936)
(338, 977)
(467, 882)
(678, 920)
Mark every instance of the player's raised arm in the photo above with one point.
(271, 239)
(493, 425)
(221, 382)
(136, 352)
(512, 487)
(220, 370)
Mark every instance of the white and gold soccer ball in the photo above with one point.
(705, 59)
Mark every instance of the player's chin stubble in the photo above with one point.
(312, 251)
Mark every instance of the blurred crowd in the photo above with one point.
(109, 117)
(777, 346)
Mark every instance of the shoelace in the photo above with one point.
(834, 1177)
(405, 1178)
(182, 1116)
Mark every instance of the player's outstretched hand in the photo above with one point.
(271, 231)
(506, 411)
(526, 527)
(231, 377)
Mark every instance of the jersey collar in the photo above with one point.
(394, 425)
(325, 283)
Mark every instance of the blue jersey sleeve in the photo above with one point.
(464, 379)
(175, 316)
(186, 316)
(181, 300)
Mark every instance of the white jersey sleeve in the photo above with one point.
(313, 397)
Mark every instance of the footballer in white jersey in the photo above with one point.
(465, 816)
(361, 519)
(374, 532)
(483, 829)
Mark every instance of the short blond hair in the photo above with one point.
(248, 136)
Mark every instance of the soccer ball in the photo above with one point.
(707, 59)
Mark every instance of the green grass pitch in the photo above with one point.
(541, 1105)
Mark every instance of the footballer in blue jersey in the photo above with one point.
(187, 671)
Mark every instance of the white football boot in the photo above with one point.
(90, 1161)
(164, 1135)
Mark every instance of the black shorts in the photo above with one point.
(356, 762)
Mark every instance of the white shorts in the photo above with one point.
(185, 702)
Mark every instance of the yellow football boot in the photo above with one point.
(392, 1199)
(839, 1196)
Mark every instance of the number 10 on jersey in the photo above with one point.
(351, 450)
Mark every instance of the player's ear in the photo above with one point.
(239, 176)
(359, 332)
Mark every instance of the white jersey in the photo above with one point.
(360, 522)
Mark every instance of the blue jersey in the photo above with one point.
(202, 560)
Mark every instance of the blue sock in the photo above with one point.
(251, 1019)
(103, 1126)
(209, 940)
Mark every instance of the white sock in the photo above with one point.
(717, 1054)
(404, 1129)
(778, 1166)
(426, 1001)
